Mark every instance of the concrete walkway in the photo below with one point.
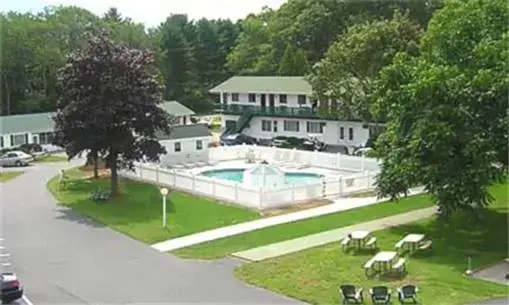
(310, 241)
(339, 205)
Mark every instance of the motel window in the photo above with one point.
(350, 134)
(1, 141)
(199, 145)
(291, 126)
(19, 139)
(45, 138)
(266, 125)
(282, 98)
(235, 97)
(301, 99)
(178, 147)
(252, 97)
(315, 127)
(342, 133)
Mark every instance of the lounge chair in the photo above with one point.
(380, 295)
(407, 292)
(351, 295)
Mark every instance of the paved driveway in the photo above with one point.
(63, 258)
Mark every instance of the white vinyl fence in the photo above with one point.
(250, 197)
(313, 158)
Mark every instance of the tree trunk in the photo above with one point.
(114, 176)
(96, 165)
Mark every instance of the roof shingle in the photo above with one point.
(265, 84)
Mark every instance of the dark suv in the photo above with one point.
(237, 139)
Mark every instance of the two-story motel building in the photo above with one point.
(267, 106)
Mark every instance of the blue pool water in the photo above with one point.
(237, 175)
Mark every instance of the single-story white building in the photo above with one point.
(193, 139)
(16, 130)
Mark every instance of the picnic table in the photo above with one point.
(412, 240)
(358, 237)
(384, 259)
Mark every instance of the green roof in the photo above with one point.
(175, 108)
(22, 123)
(185, 131)
(265, 84)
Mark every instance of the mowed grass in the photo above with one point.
(51, 158)
(6, 176)
(138, 211)
(315, 275)
(225, 246)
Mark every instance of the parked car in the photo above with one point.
(12, 289)
(237, 139)
(298, 143)
(16, 158)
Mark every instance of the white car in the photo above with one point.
(16, 158)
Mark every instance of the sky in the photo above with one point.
(153, 12)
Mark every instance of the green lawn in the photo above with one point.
(6, 176)
(137, 212)
(51, 158)
(315, 275)
(228, 245)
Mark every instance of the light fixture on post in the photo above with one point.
(164, 193)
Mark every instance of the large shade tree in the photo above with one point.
(353, 62)
(447, 109)
(108, 103)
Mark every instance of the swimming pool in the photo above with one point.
(237, 175)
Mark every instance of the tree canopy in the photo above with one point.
(108, 102)
(447, 109)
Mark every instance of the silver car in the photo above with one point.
(16, 158)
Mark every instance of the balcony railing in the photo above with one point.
(281, 111)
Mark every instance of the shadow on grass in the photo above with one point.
(460, 237)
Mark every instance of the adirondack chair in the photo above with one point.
(351, 295)
(380, 295)
(407, 292)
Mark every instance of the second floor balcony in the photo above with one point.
(281, 111)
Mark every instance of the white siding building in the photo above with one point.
(267, 106)
(187, 142)
(16, 130)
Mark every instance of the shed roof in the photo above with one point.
(22, 123)
(175, 108)
(265, 84)
(184, 131)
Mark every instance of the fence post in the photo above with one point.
(157, 173)
(338, 162)
(194, 182)
(260, 192)
(174, 177)
(324, 187)
(362, 162)
(367, 179)
(214, 187)
(236, 192)
(293, 192)
(141, 171)
(340, 185)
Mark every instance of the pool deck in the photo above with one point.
(241, 164)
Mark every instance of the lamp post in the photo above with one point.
(164, 192)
